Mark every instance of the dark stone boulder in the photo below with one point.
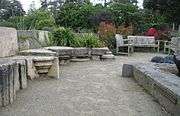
(168, 59)
(157, 59)
(177, 61)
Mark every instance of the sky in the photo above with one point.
(26, 3)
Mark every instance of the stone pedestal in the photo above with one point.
(8, 81)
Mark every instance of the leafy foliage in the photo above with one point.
(74, 15)
(89, 40)
(62, 37)
(38, 19)
(169, 8)
(10, 8)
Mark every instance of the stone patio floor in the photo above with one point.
(93, 88)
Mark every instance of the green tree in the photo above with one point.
(168, 8)
(10, 8)
(123, 13)
(74, 15)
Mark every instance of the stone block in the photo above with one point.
(22, 73)
(8, 41)
(99, 51)
(127, 70)
(22, 70)
(81, 52)
(54, 70)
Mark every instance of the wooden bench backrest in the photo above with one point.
(119, 40)
(142, 40)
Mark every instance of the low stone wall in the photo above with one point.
(8, 41)
(164, 87)
(32, 39)
(12, 78)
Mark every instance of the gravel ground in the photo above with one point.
(93, 88)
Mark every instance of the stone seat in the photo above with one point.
(37, 65)
(164, 87)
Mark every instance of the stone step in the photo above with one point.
(108, 56)
(80, 59)
(41, 64)
(42, 71)
(43, 67)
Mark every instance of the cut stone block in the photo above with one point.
(8, 41)
(35, 63)
(127, 70)
(81, 52)
(99, 51)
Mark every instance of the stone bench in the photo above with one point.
(69, 52)
(41, 65)
(164, 87)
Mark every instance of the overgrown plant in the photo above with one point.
(89, 40)
(62, 37)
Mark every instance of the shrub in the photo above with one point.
(107, 33)
(62, 37)
(89, 40)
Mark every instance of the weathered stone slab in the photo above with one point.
(37, 52)
(165, 87)
(61, 51)
(81, 52)
(99, 51)
(8, 41)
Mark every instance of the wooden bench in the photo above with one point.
(172, 45)
(144, 42)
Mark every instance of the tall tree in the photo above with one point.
(44, 4)
(126, 1)
(10, 8)
(169, 8)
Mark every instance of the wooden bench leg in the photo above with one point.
(158, 49)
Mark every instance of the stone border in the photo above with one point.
(164, 87)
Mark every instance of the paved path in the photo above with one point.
(93, 88)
